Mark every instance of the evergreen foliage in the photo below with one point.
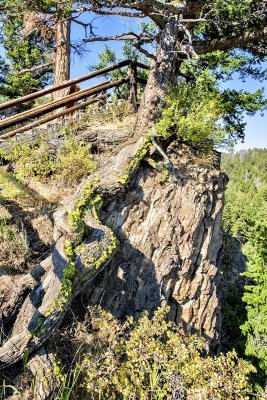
(25, 49)
(108, 57)
(245, 217)
(199, 113)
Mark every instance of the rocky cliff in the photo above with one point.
(144, 231)
(170, 243)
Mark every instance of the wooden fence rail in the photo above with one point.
(70, 99)
(51, 118)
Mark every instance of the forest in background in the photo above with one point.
(245, 217)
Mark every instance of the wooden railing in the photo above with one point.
(70, 100)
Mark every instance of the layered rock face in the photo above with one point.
(170, 246)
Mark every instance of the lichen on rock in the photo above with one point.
(170, 242)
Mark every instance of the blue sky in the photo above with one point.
(256, 130)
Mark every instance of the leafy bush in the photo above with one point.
(74, 163)
(69, 165)
(32, 160)
(150, 359)
(192, 113)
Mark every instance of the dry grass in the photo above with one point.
(111, 116)
(25, 227)
(115, 115)
(14, 248)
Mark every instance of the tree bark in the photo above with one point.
(162, 76)
(62, 62)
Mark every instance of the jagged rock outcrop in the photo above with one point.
(167, 222)
(170, 246)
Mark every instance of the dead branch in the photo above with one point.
(144, 51)
(143, 5)
(34, 69)
(164, 155)
(110, 12)
(142, 37)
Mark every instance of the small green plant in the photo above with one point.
(14, 249)
(69, 166)
(74, 162)
(32, 160)
(69, 383)
(5, 390)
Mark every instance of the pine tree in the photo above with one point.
(245, 217)
(255, 297)
(28, 55)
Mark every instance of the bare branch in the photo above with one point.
(142, 38)
(262, 51)
(84, 24)
(33, 69)
(146, 7)
(110, 12)
(145, 52)
(142, 5)
(125, 36)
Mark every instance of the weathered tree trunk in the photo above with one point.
(62, 63)
(163, 74)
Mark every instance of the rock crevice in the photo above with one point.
(169, 251)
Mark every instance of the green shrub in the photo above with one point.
(32, 159)
(199, 113)
(192, 114)
(150, 359)
(74, 162)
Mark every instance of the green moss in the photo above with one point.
(141, 153)
(161, 168)
(38, 330)
(124, 180)
(69, 273)
(154, 163)
(88, 198)
(69, 252)
(107, 253)
(68, 276)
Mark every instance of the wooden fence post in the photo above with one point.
(133, 85)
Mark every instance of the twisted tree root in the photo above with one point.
(83, 246)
